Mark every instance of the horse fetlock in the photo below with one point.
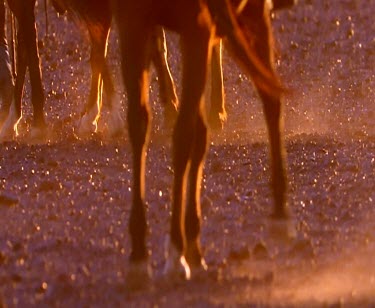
(138, 275)
(193, 256)
(10, 127)
(7, 134)
(282, 229)
(38, 133)
(115, 124)
(217, 120)
(176, 267)
(223, 116)
(87, 125)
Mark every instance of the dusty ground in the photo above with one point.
(63, 238)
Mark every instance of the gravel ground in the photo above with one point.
(64, 205)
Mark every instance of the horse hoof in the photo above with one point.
(7, 134)
(10, 128)
(8, 131)
(217, 120)
(138, 276)
(38, 134)
(282, 229)
(199, 271)
(86, 126)
(176, 268)
(116, 124)
(194, 258)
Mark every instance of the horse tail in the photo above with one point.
(227, 26)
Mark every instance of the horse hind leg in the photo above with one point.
(89, 122)
(281, 226)
(115, 124)
(167, 87)
(260, 28)
(217, 115)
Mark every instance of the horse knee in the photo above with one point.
(183, 137)
(138, 123)
(200, 142)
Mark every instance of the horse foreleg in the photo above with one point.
(188, 149)
(193, 251)
(135, 57)
(217, 115)
(27, 28)
(167, 87)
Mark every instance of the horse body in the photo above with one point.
(198, 22)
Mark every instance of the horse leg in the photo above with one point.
(6, 83)
(89, 121)
(27, 28)
(281, 226)
(167, 87)
(10, 127)
(115, 125)
(6, 78)
(193, 252)
(189, 140)
(257, 14)
(217, 115)
(135, 57)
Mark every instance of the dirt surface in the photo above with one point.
(64, 205)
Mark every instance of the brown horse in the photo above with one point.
(199, 23)
(97, 17)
